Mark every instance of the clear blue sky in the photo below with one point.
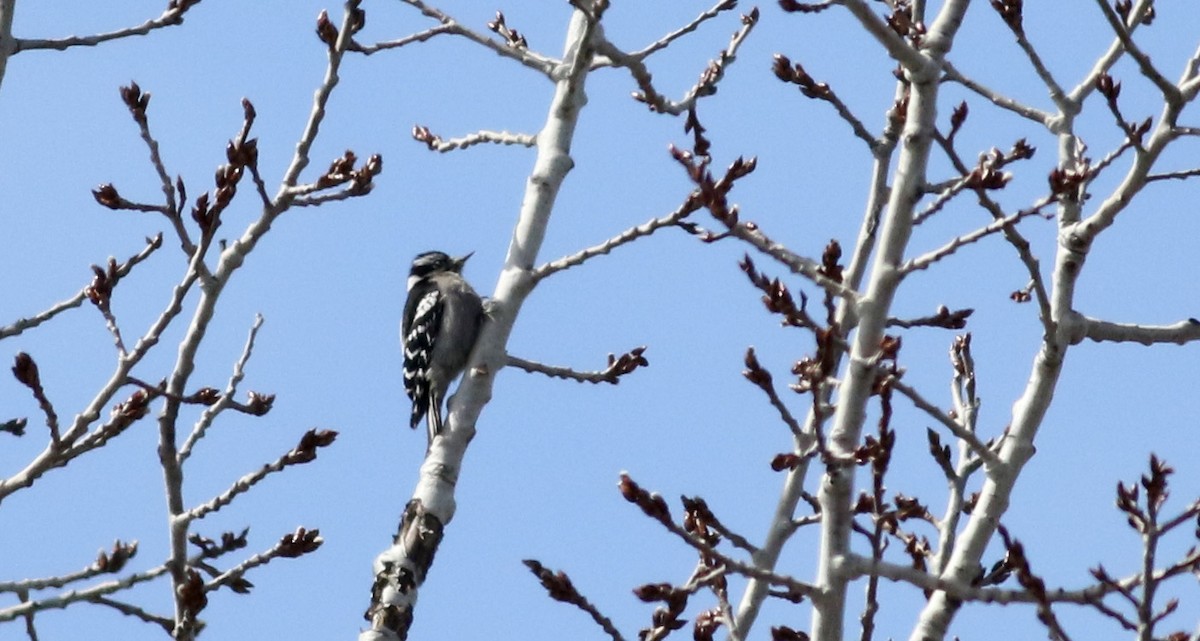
(539, 481)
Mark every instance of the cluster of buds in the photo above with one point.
(902, 22)
(342, 171)
(1111, 90)
(1155, 484)
(626, 363)
(558, 585)
(306, 450)
(421, 133)
(1067, 184)
(776, 296)
(795, 74)
(1010, 12)
(211, 549)
(137, 101)
(1125, 8)
(328, 33)
(191, 596)
(298, 543)
(113, 561)
(99, 292)
(107, 196)
(666, 617)
(25, 369)
(258, 404)
(135, 407)
(710, 193)
(512, 37)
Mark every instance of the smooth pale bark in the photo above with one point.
(401, 569)
(836, 493)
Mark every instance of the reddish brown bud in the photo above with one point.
(298, 543)
(325, 29)
(107, 195)
(26, 371)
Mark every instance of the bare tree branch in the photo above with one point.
(437, 143)
(169, 18)
(705, 86)
(1169, 91)
(1180, 333)
(617, 367)
(420, 36)
(534, 61)
(997, 98)
(560, 588)
(927, 259)
(304, 452)
(23, 324)
(128, 609)
(629, 235)
(210, 413)
(665, 41)
(981, 449)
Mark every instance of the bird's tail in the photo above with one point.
(434, 416)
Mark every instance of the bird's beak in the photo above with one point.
(460, 261)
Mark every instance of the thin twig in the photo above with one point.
(957, 429)
(305, 452)
(1174, 175)
(560, 588)
(929, 258)
(128, 609)
(210, 413)
(1011, 234)
(629, 235)
(617, 367)
(862, 566)
(75, 301)
(535, 61)
(995, 97)
(663, 42)
(169, 18)
(420, 36)
(1110, 57)
(749, 570)
(67, 598)
(348, 192)
(437, 143)
(1169, 91)
(705, 86)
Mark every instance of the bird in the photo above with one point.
(441, 322)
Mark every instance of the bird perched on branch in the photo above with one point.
(441, 322)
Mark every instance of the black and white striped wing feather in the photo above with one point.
(422, 320)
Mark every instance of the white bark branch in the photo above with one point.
(401, 569)
(627, 236)
(169, 18)
(535, 61)
(837, 488)
(1180, 333)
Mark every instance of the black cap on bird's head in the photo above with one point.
(432, 262)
